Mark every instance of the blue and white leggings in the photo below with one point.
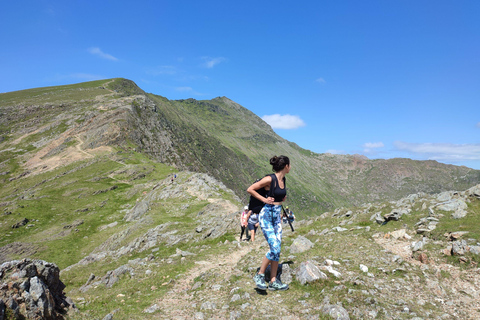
(271, 224)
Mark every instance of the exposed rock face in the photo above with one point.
(32, 289)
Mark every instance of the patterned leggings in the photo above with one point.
(271, 224)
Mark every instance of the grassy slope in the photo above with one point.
(226, 140)
(63, 197)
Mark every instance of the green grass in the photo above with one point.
(77, 91)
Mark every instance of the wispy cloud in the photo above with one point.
(478, 125)
(184, 89)
(442, 151)
(98, 52)
(189, 90)
(321, 80)
(370, 147)
(209, 62)
(161, 70)
(286, 121)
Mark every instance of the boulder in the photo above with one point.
(474, 191)
(32, 289)
(308, 272)
(458, 206)
(475, 250)
(459, 247)
(336, 311)
(300, 244)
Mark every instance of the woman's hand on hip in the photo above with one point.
(270, 200)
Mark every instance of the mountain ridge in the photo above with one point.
(219, 137)
(136, 199)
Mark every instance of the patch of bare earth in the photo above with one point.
(178, 301)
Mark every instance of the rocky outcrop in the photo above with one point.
(32, 289)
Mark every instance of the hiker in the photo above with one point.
(289, 217)
(243, 222)
(253, 223)
(270, 219)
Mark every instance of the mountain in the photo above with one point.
(126, 205)
(57, 125)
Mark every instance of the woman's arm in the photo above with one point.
(264, 183)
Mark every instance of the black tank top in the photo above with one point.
(278, 193)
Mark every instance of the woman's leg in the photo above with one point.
(264, 265)
(252, 235)
(270, 222)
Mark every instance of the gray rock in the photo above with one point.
(108, 317)
(34, 291)
(395, 214)
(336, 312)
(416, 246)
(473, 192)
(137, 211)
(459, 247)
(475, 249)
(300, 244)
(378, 218)
(235, 297)
(152, 309)
(208, 306)
(308, 272)
(457, 205)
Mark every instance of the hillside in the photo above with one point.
(133, 244)
(135, 198)
(42, 129)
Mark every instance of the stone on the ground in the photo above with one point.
(300, 244)
(308, 272)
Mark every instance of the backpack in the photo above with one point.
(256, 205)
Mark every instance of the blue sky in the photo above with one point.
(381, 78)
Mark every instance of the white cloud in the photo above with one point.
(211, 62)
(287, 121)
(370, 147)
(189, 90)
(168, 70)
(442, 151)
(98, 52)
(373, 145)
(184, 89)
(321, 80)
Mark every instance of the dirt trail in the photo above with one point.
(177, 302)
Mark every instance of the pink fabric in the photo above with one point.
(243, 219)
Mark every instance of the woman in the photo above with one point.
(252, 224)
(243, 222)
(270, 219)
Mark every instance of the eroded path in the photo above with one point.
(177, 303)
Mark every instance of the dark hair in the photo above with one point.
(278, 163)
